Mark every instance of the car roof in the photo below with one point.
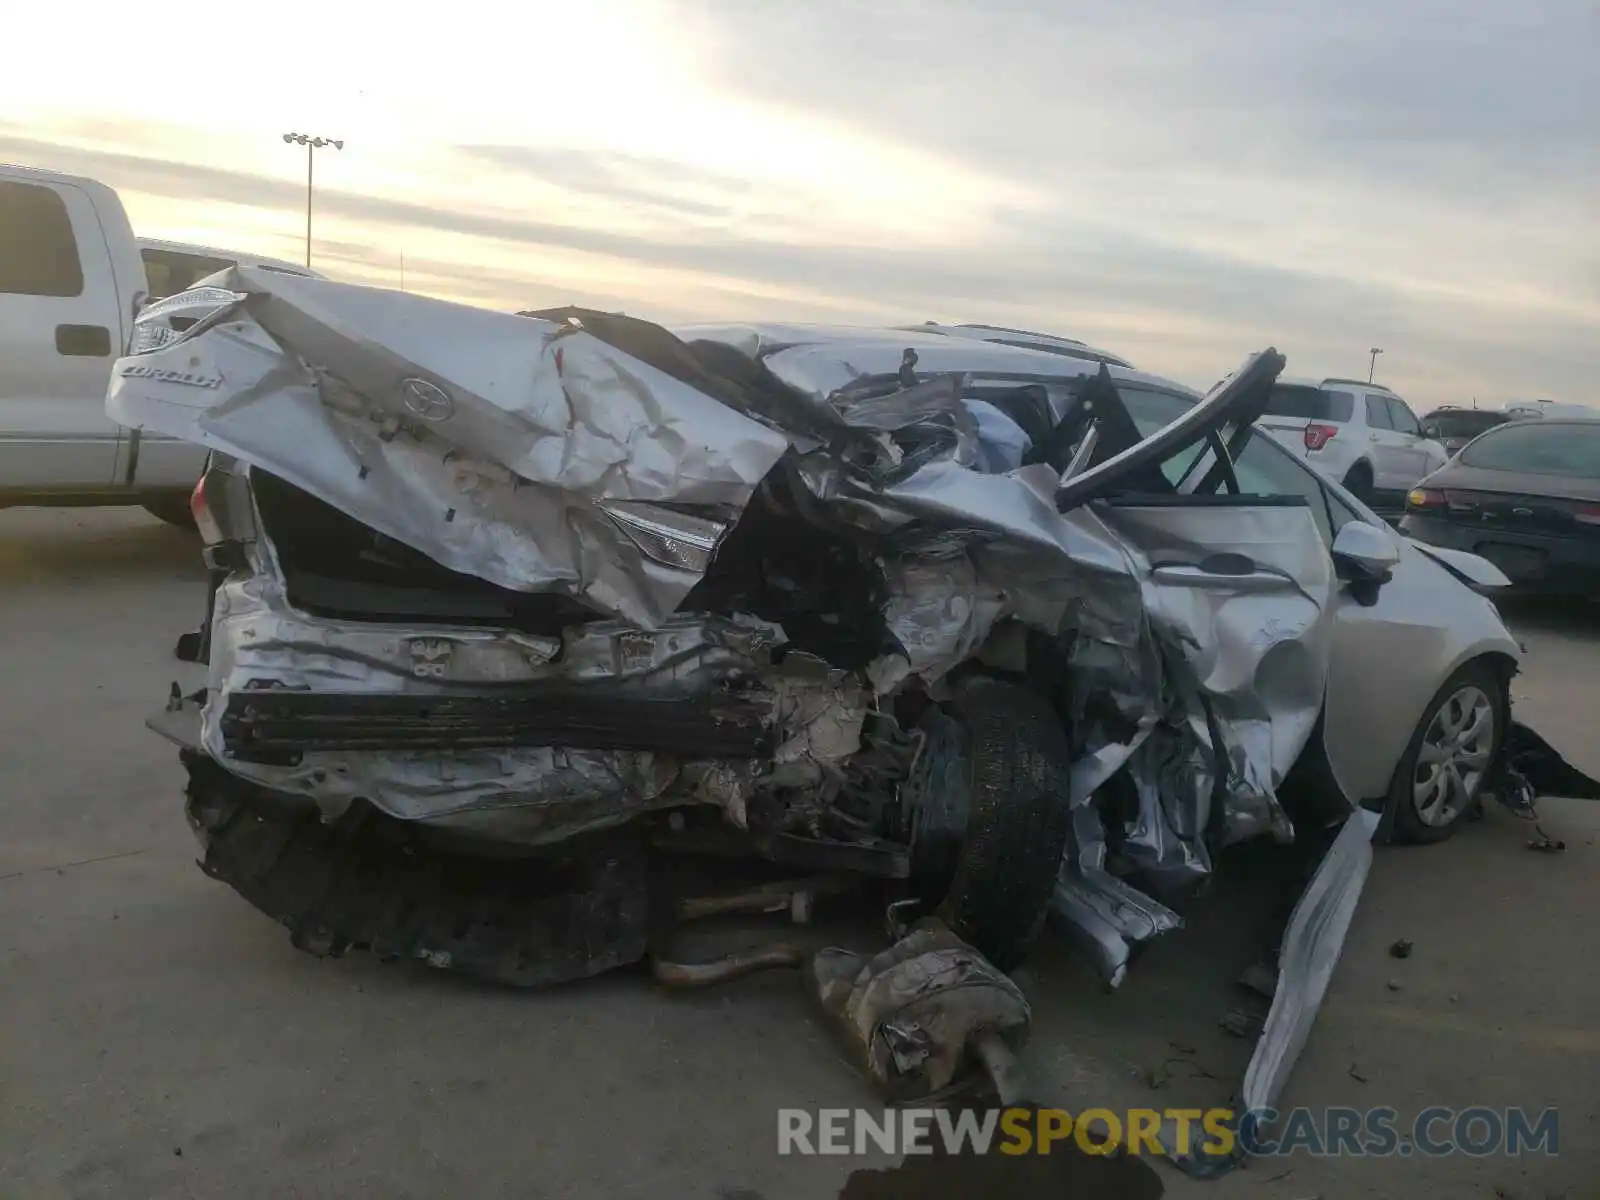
(101, 193)
(1312, 381)
(241, 257)
(1005, 335)
(937, 351)
(1547, 422)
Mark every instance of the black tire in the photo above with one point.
(174, 510)
(1408, 822)
(1358, 482)
(1017, 756)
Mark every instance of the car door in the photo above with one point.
(1389, 469)
(60, 327)
(1251, 567)
(1416, 454)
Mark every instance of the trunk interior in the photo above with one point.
(335, 566)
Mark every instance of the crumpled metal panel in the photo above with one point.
(488, 442)
(1246, 661)
(530, 453)
(526, 795)
(1312, 946)
(940, 612)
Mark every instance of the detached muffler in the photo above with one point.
(929, 1019)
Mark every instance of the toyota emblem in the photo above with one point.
(428, 400)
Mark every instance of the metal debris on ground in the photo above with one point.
(927, 1019)
(1261, 978)
(1241, 1023)
(1545, 843)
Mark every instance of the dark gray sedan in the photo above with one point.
(1525, 496)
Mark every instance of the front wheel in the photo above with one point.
(1012, 777)
(1450, 754)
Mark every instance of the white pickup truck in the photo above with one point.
(72, 276)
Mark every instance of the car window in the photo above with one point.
(1264, 468)
(1378, 413)
(1304, 403)
(169, 272)
(38, 252)
(1539, 449)
(1468, 423)
(1404, 419)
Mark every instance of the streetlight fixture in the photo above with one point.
(1372, 359)
(312, 145)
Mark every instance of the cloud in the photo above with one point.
(1181, 181)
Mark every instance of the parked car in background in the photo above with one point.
(1454, 427)
(1360, 434)
(173, 267)
(71, 283)
(1522, 409)
(1525, 496)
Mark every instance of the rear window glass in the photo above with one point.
(1540, 449)
(169, 272)
(1310, 404)
(1463, 424)
(38, 253)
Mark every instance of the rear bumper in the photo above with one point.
(1533, 562)
(278, 726)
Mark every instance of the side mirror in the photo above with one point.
(1364, 554)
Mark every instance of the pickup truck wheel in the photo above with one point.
(174, 510)
(1016, 779)
(1358, 482)
(1443, 770)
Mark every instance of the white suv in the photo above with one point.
(1360, 434)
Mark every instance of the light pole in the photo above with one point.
(1372, 360)
(312, 145)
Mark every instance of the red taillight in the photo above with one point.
(1425, 498)
(1589, 514)
(1318, 436)
(210, 531)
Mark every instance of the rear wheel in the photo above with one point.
(1439, 778)
(1358, 482)
(1014, 772)
(174, 510)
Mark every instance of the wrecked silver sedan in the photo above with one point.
(509, 610)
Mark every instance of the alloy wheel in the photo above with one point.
(1454, 755)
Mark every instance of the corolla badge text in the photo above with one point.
(169, 375)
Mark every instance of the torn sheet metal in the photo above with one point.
(1312, 946)
(526, 795)
(536, 456)
(490, 443)
(939, 613)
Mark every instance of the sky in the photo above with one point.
(1178, 181)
